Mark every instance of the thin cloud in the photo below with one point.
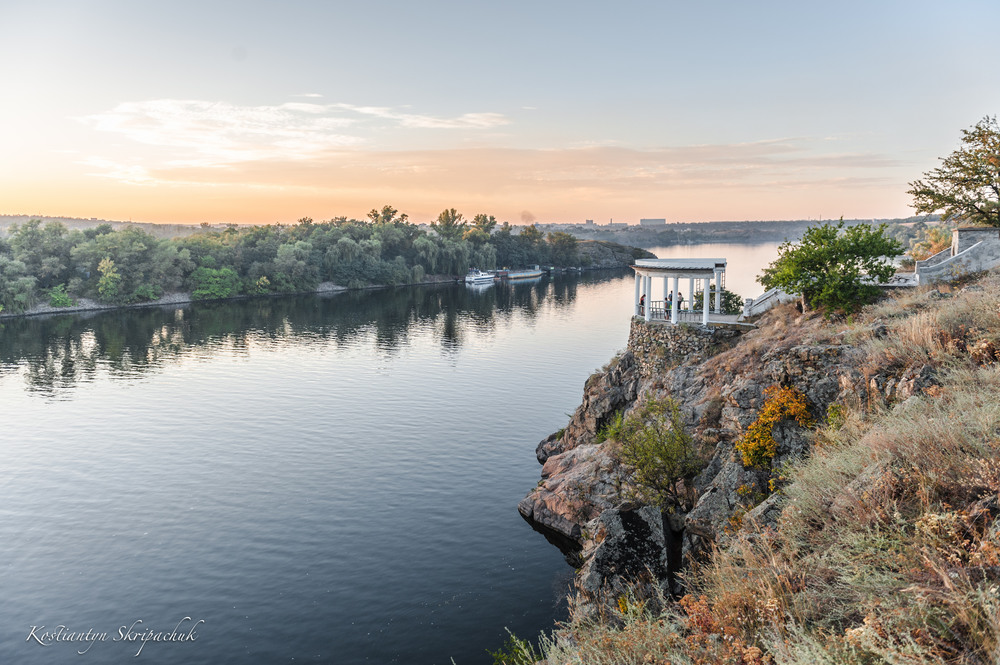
(197, 133)
(211, 134)
(413, 120)
(125, 173)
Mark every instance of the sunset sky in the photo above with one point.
(550, 111)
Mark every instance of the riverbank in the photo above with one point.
(183, 298)
(844, 507)
(610, 261)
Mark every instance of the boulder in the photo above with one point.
(576, 486)
(627, 545)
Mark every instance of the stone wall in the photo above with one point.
(972, 250)
(658, 346)
(965, 237)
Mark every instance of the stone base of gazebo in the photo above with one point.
(658, 346)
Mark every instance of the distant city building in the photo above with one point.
(652, 222)
(589, 222)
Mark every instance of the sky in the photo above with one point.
(547, 111)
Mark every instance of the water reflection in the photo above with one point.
(58, 352)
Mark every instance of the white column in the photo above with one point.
(704, 312)
(718, 292)
(637, 278)
(648, 289)
(673, 303)
(691, 293)
(665, 285)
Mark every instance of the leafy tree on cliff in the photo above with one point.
(832, 267)
(967, 184)
(664, 456)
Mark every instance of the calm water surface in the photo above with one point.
(743, 263)
(317, 479)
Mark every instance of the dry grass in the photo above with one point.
(888, 550)
(927, 326)
(778, 330)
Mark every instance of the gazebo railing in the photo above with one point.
(659, 310)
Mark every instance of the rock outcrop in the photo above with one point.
(586, 494)
(626, 544)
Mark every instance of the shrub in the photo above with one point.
(757, 446)
(612, 427)
(261, 286)
(515, 651)
(209, 283)
(732, 303)
(656, 444)
(59, 298)
(109, 285)
(146, 292)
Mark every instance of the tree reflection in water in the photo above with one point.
(57, 352)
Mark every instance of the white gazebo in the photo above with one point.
(676, 269)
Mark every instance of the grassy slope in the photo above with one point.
(888, 550)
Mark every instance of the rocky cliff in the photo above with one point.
(720, 380)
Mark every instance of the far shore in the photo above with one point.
(183, 297)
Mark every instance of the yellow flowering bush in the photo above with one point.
(757, 446)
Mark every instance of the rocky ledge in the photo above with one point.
(718, 379)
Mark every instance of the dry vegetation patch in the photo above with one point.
(888, 548)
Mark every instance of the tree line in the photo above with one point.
(130, 265)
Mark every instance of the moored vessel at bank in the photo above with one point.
(478, 277)
(528, 273)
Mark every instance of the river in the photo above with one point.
(315, 478)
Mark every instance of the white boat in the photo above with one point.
(534, 271)
(478, 277)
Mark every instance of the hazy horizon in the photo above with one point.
(597, 223)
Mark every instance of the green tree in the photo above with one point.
(967, 184)
(833, 267)
(59, 298)
(427, 250)
(531, 234)
(485, 223)
(214, 283)
(476, 236)
(45, 251)
(663, 454)
(732, 303)
(110, 281)
(931, 241)
(17, 287)
(387, 215)
(449, 224)
(562, 249)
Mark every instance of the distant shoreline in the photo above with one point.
(184, 297)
